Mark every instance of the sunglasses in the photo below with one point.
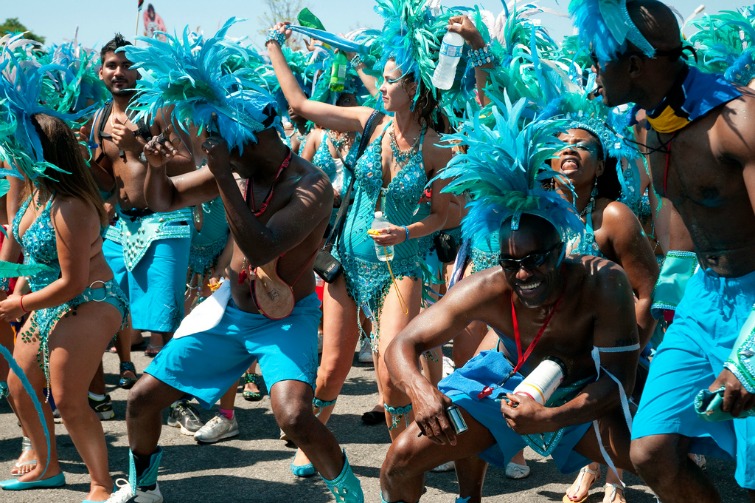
(529, 262)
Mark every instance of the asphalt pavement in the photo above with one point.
(255, 465)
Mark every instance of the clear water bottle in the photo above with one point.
(384, 253)
(450, 54)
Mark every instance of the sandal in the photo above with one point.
(614, 493)
(373, 417)
(23, 467)
(127, 382)
(249, 395)
(585, 471)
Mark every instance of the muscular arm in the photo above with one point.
(631, 250)
(614, 327)
(262, 242)
(164, 193)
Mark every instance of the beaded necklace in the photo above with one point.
(402, 157)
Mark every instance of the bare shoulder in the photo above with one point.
(311, 182)
(73, 212)
(435, 154)
(597, 274)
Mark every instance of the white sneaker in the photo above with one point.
(365, 351)
(125, 494)
(445, 467)
(217, 428)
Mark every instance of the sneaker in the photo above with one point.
(365, 351)
(103, 408)
(183, 415)
(125, 494)
(445, 467)
(217, 428)
(56, 416)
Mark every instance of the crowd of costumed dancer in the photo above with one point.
(570, 223)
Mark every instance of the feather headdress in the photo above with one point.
(605, 27)
(411, 37)
(201, 79)
(725, 43)
(504, 172)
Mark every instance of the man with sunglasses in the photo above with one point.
(702, 155)
(542, 305)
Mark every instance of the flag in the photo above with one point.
(140, 4)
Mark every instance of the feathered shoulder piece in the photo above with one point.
(201, 79)
(605, 27)
(503, 171)
(411, 37)
(725, 43)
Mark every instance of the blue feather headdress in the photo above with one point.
(725, 43)
(504, 172)
(202, 79)
(28, 88)
(605, 27)
(411, 37)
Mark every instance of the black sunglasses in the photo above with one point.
(529, 262)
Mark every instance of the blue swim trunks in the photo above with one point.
(691, 356)
(488, 368)
(206, 364)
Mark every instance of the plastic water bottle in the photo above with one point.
(384, 253)
(450, 54)
(338, 72)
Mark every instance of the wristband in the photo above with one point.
(406, 230)
(356, 62)
(481, 56)
(741, 361)
(274, 35)
(21, 304)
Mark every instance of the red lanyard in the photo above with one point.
(520, 359)
(266, 202)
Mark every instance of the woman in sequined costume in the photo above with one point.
(76, 309)
(390, 176)
(611, 231)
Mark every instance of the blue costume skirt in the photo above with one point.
(691, 356)
(487, 369)
(156, 286)
(206, 364)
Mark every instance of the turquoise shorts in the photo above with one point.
(691, 356)
(206, 364)
(489, 367)
(156, 286)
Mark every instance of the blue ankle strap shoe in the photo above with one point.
(345, 487)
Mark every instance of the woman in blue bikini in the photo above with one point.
(75, 306)
(390, 177)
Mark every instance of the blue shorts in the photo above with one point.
(487, 368)
(691, 356)
(206, 364)
(156, 286)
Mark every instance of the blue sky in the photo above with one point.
(98, 20)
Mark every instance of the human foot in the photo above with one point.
(27, 461)
(580, 489)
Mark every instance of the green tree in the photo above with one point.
(12, 25)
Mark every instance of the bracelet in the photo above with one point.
(406, 230)
(481, 56)
(21, 304)
(274, 35)
(356, 62)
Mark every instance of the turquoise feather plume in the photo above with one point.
(503, 171)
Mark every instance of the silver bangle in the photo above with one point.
(481, 56)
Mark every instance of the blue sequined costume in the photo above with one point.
(338, 175)
(367, 279)
(39, 246)
(208, 243)
(585, 244)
